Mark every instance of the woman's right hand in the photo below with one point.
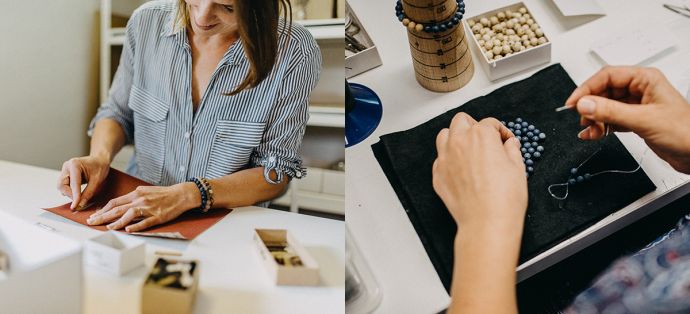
(640, 100)
(88, 169)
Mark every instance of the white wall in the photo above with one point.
(48, 79)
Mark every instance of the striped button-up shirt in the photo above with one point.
(151, 99)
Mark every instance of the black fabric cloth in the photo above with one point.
(406, 157)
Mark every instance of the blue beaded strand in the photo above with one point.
(438, 27)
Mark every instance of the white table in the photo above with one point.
(232, 280)
(374, 214)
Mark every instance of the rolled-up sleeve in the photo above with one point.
(279, 148)
(116, 106)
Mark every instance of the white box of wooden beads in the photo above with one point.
(508, 40)
(361, 54)
(170, 287)
(285, 259)
(40, 270)
(115, 253)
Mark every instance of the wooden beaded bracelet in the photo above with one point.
(203, 190)
(209, 190)
(431, 27)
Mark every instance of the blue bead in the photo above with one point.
(401, 17)
(536, 131)
(542, 136)
(535, 144)
(540, 148)
(571, 181)
(518, 132)
(518, 120)
(511, 124)
(530, 127)
(588, 176)
(459, 14)
(462, 10)
(529, 162)
(573, 171)
(537, 155)
(530, 134)
(435, 29)
(524, 124)
(525, 139)
(455, 20)
(524, 130)
(518, 138)
(462, 4)
(531, 150)
(527, 155)
(580, 179)
(527, 145)
(442, 27)
(530, 169)
(535, 138)
(427, 29)
(523, 150)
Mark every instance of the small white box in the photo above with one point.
(519, 61)
(115, 253)
(44, 269)
(306, 274)
(364, 60)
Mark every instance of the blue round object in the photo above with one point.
(530, 134)
(527, 145)
(442, 27)
(572, 181)
(527, 155)
(364, 115)
(580, 179)
(530, 127)
(427, 29)
(525, 139)
(537, 155)
(530, 169)
(542, 136)
(535, 138)
(401, 17)
(529, 162)
(536, 131)
(518, 120)
(524, 124)
(511, 124)
(540, 148)
(435, 29)
(523, 150)
(455, 20)
(588, 176)
(531, 150)
(573, 171)
(518, 132)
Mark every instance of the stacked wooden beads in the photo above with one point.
(439, 49)
(530, 139)
(506, 33)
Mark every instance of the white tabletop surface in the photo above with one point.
(375, 216)
(232, 279)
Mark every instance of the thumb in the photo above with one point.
(88, 193)
(601, 109)
(512, 147)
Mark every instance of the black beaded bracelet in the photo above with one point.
(202, 191)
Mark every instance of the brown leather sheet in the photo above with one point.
(186, 227)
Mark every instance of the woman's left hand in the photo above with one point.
(145, 207)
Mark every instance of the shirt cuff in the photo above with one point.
(107, 114)
(283, 167)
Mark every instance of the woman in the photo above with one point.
(214, 90)
(634, 99)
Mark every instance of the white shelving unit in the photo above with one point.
(323, 190)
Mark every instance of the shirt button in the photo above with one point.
(186, 135)
(182, 168)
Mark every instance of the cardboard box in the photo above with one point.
(43, 272)
(307, 274)
(364, 60)
(115, 253)
(173, 297)
(519, 61)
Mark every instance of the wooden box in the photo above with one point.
(290, 273)
(167, 289)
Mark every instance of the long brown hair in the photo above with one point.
(258, 27)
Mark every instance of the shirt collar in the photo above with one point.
(231, 57)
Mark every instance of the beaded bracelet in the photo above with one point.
(203, 191)
(209, 190)
(430, 27)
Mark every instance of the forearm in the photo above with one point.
(107, 139)
(484, 274)
(243, 188)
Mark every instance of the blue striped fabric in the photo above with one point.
(259, 127)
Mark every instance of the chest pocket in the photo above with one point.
(150, 122)
(233, 145)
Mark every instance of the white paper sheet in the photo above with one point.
(633, 45)
(579, 7)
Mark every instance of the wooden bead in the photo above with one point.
(498, 57)
(411, 26)
(481, 42)
(542, 40)
(501, 16)
(419, 27)
(477, 36)
(489, 55)
(510, 32)
(539, 32)
(406, 21)
(534, 26)
(476, 28)
(522, 20)
(486, 37)
(522, 10)
(521, 32)
(526, 15)
(489, 45)
(534, 41)
(484, 21)
(530, 22)
(471, 23)
(510, 24)
(483, 31)
(497, 50)
(506, 49)
(493, 20)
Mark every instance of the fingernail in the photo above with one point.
(72, 206)
(582, 133)
(82, 204)
(586, 105)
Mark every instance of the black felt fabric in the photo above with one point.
(407, 157)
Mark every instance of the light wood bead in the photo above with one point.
(497, 50)
(406, 21)
(498, 57)
(477, 36)
(521, 32)
(522, 20)
(489, 55)
(476, 28)
(506, 49)
(489, 45)
(411, 26)
(471, 23)
(522, 10)
(501, 16)
(493, 20)
(526, 15)
(517, 15)
(481, 42)
(484, 21)
(510, 24)
(530, 22)
(419, 27)
(539, 32)
(542, 40)
(510, 32)
(534, 26)
(534, 41)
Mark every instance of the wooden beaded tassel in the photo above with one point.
(440, 52)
